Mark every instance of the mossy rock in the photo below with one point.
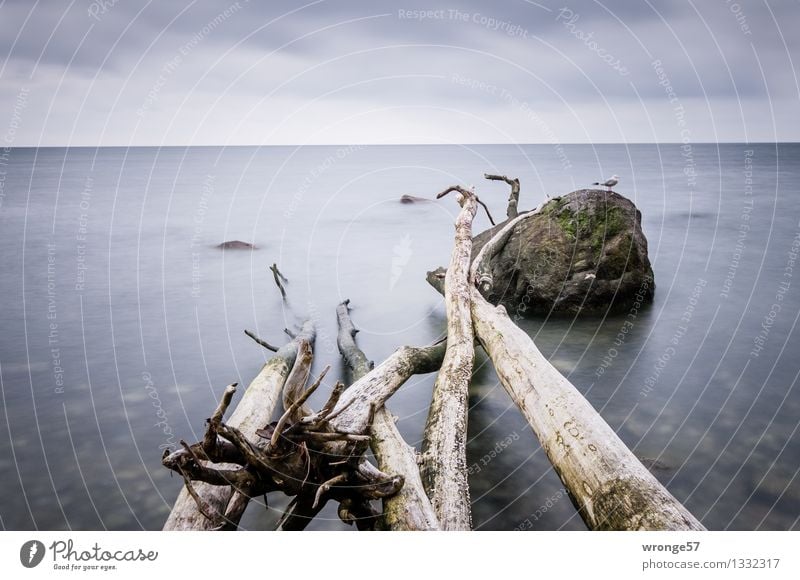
(584, 252)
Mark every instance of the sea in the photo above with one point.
(122, 322)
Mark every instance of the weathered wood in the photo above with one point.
(253, 412)
(608, 484)
(467, 193)
(410, 508)
(280, 280)
(444, 451)
(356, 363)
(512, 210)
(302, 456)
(258, 341)
(295, 384)
(356, 406)
(481, 269)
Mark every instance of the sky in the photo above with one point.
(136, 72)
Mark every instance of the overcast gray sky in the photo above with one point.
(134, 72)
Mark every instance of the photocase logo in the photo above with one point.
(31, 553)
(402, 254)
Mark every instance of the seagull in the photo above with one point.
(609, 183)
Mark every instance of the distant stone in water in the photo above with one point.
(584, 252)
(413, 199)
(236, 245)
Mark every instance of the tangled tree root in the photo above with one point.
(301, 454)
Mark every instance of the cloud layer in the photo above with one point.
(197, 72)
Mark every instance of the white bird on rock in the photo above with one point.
(608, 183)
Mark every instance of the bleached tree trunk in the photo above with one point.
(354, 410)
(253, 412)
(410, 508)
(444, 452)
(608, 484)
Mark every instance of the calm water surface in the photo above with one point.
(122, 324)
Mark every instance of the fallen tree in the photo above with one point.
(409, 509)
(253, 411)
(319, 456)
(444, 450)
(608, 484)
(301, 455)
(313, 456)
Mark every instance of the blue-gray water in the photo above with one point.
(121, 324)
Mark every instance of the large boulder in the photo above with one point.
(584, 252)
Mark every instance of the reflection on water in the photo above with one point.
(122, 323)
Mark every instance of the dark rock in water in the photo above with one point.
(413, 199)
(584, 252)
(236, 245)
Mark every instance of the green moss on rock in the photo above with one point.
(584, 251)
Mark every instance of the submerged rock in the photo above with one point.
(236, 245)
(413, 199)
(584, 252)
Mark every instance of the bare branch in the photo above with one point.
(280, 279)
(513, 198)
(293, 407)
(263, 343)
(210, 441)
(296, 381)
(202, 506)
(356, 362)
(325, 487)
(452, 188)
(466, 193)
(486, 209)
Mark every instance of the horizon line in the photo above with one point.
(183, 146)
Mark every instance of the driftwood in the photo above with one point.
(313, 456)
(307, 459)
(357, 404)
(444, 467)
(260, 342)
(356, 363)
(252, 412)
(320, 456)
(513, 199)
(481, 269)
(409, 508)
(301, 455)
(607, 483)
(280, 280)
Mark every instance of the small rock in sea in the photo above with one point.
(236, 245)
(413, 199)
